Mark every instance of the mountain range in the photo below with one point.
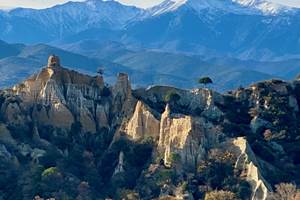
(118, 111)
(145, 67)
(249, 29)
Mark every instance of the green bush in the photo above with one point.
(172, 97)
(220, 195)
(205, 80)
(175, 158)
(244, 190)
(165, 175)
(49, 172)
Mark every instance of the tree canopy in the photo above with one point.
(172, 97)
(205, 80)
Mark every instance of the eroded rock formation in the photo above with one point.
(63, 111)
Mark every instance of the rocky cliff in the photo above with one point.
(112, 141)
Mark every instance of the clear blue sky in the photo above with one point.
(140, 3)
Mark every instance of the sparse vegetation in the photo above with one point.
(220, 195)
(285, 191)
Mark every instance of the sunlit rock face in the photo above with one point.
(187, 136)
(190, 137)
(184, 135)
(259, 125)
(174, 133)
(143, 124)
(247, 163)
(53, 61)
(59, 97)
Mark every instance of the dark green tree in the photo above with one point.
(172, 97)
(205, 80)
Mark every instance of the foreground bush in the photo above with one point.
(285, 191)
(220, 195)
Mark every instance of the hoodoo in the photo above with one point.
(53, 61)
(120, 137)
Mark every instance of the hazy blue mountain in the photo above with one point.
(247, 29)
(227, 73)
(28, 59)
(18, 66)
(234, 42)
(214, 30)
(63, 21)
(7, 50)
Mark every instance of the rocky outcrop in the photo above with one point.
(60, 97)
(64, 112)
(143, 124)
(53, 61)
(5, 136)
(198, 99)
(247, 164)
(178, 136)
(175, 134)
(55, 114)
(13, 112)
(120, 166)
(186, 136)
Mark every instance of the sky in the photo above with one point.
(139, 3)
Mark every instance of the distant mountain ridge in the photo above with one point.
(235, 6)
(234, 42)
(24, 60)
(145, 67)
(54, 23)
(246, 29)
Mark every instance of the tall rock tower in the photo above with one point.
(53, 61)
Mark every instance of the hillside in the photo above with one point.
(63, 128)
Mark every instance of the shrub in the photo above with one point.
(49, 172)
(105, 92)
(172, 97)
(165, 175)
(285, 191)
(51, 182)
(205, 80)
(220, 195)
(84, 191)
(214, 173)
(128, 194)
(244, 190)
(175, 157)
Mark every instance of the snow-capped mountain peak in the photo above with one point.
(237, 6)
(167, 6)
(264, 6)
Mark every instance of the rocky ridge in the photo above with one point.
(255, 129)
